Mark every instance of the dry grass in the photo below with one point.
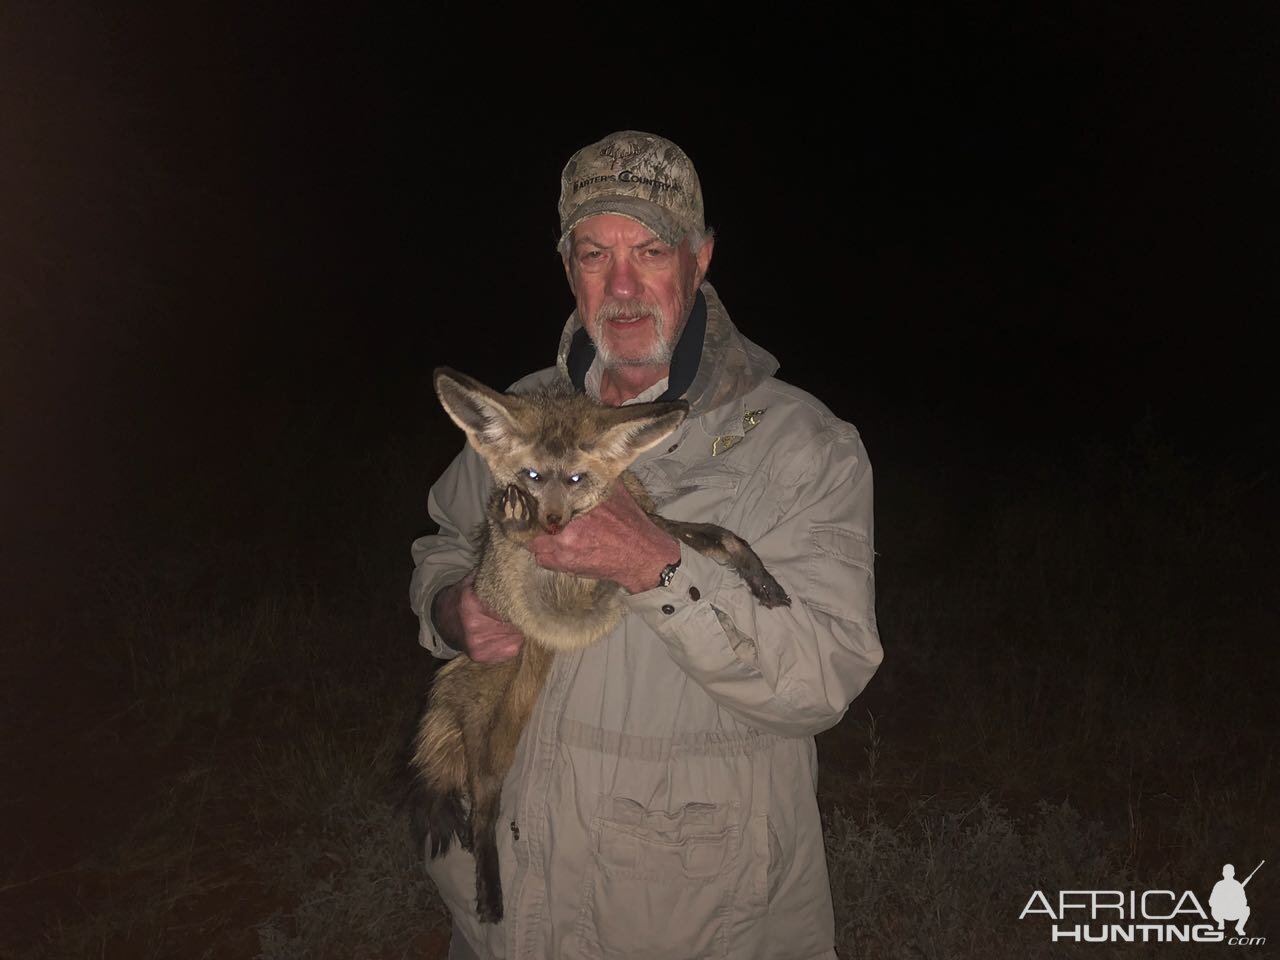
(1078, 692)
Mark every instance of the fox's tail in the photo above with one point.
(433, 766)
(435, 818)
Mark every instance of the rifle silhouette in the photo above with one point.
(1250, 876)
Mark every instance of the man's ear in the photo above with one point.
(703, 256)
(566, 260)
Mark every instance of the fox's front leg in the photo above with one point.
(728, 548)
(516, 513)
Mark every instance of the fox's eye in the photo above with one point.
(531, 474)
(575, 477)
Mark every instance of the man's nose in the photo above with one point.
(623, 282)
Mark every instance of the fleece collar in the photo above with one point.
(684, 359)
(713, 363)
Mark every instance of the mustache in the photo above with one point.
(614, 309)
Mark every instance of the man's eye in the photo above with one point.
(531, 474)
(654, 253)
(591, 256)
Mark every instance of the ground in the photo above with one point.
(203, 737)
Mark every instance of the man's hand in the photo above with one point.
(615, 541)
(467, 625)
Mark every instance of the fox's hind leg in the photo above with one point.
(490, 751)
(488, 878)
(485, 787)
(728, 548)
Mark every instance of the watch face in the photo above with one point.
(668, 574)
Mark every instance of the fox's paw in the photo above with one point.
(517, 511)
(766, 589)
(488, 883)
(770, 593)
(489, 909)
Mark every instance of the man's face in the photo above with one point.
(634, 292)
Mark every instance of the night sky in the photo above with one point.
(1019, 230)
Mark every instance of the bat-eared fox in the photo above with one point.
(554, 454)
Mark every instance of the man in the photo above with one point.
(662, 802)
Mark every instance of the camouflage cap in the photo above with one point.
(641, 176)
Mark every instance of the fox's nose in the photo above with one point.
(553, 519)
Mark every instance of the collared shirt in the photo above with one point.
(596, 374)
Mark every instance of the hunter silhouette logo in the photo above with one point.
(1148, 916)
(1228, 900)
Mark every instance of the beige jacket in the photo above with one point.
(662, 802)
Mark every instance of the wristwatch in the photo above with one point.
(668, 574)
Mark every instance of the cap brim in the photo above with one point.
(656, 218)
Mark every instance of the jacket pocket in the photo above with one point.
(659, 886)
(841, 579)
(703, 494)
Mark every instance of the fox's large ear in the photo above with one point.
(630, 431)
(484, 414)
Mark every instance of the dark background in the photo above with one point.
(1029, 250)
(980, 235)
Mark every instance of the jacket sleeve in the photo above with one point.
(790, 670)
(456, 502)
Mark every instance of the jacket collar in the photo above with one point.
(710, 371)
(684, 359)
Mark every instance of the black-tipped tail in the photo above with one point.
(435, 819)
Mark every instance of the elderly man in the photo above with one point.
(662, 801)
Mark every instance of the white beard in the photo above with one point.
(660, 352)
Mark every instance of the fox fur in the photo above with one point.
(554, 454)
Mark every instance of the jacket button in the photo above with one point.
(668, 608)
(694, 594)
